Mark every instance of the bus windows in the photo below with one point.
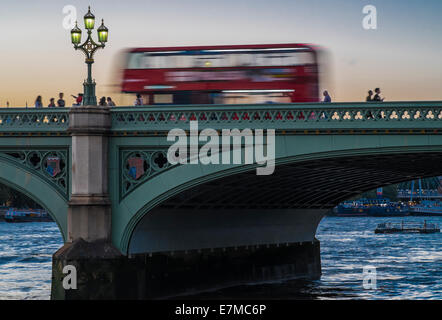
(283, 59)
(183, 61)
(215, 61)
(198, 61)
(162, 60)
(134, 60)
(240, 59)
(302, 58)
(158, 61)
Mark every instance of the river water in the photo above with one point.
(407, 266)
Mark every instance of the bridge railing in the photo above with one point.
(310, 116)
(34, 120)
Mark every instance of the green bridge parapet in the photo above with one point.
(426, 115)
(310, 116)
(13, 120)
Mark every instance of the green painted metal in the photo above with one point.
(35, 161)
(30, 177)
(89, 97)
(153, 162)
(387, 115)
(89, 47)
(311, 116)
(128, 211)
(34, 120)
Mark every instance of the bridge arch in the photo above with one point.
(38, 190)
(371, 161)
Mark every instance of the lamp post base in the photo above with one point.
(89, 98)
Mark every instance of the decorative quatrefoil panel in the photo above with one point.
(51, 165)
(138, 166)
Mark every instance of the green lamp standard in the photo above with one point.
(89, 47)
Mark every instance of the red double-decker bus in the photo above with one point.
(223, 74)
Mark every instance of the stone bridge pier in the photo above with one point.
(98, 264)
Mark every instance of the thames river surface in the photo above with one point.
(408, 266)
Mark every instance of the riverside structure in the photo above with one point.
(135, 226)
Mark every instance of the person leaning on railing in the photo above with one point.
(78, 99)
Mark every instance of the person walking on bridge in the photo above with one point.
(51, 103)
(370, 96)
(377, 96)
(102, 102)
(38, 102)
(61, 103)
(110, 102)
(139, 100)
(327, 98)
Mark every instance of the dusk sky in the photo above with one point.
(402, 56)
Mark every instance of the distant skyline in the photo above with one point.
(402, 56)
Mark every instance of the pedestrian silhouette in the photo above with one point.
(38, 103)
(102, 102)
(78, 99)
(327, 98)
(110, 103)
(61, 102)
(139, 100)
(51, 103)
(377, 96)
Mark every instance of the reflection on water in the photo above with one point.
(408, 265)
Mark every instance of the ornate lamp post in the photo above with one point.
(89, 47)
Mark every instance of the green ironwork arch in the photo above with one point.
(205, 173)
(38, 190)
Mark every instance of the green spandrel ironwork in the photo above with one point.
(34, 120)
(311, 116)
(138, 165)
(50, 165)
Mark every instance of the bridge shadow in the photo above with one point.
(312, 184)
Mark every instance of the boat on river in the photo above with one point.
(426, 199)
(407, 227)
(379, 207)
(427, 208)
(27, 215)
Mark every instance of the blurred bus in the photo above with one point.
(278, 73)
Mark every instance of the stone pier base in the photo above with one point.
(103, 273)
